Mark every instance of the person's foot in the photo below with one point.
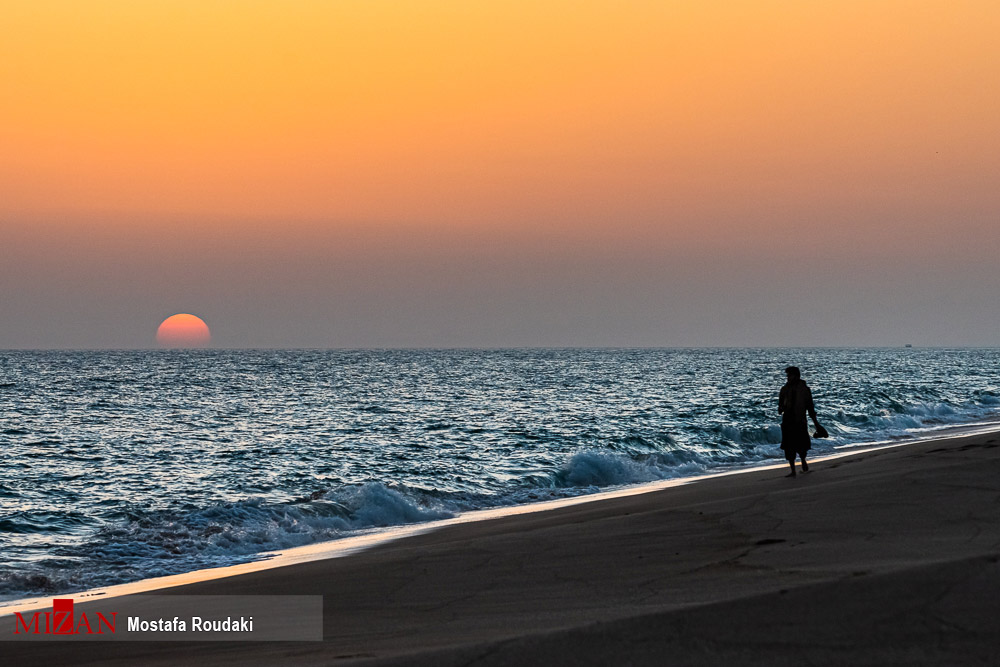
(805, 467)
(791, 474)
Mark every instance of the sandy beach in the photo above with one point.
(452, 333)
(888, 556)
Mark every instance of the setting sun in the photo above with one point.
(183, 330)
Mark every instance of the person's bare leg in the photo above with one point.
(805, 466)
(792, 464)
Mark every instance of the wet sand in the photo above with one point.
(888, 556)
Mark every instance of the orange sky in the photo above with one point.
(710, 126)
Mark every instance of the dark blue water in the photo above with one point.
(117, 466)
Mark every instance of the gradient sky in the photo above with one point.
(382, 173)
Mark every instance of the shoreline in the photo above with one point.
(375, 537)
(883, 555)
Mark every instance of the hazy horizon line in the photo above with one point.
(500, 348)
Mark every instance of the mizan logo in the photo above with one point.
(62, 621)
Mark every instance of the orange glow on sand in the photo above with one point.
(183, 330)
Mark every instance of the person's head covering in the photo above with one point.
(793, 372)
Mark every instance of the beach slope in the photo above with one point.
(885, 556)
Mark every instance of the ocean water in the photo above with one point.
(121, 465)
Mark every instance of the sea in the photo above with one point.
(117, 466)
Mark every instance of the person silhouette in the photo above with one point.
(794, 402)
